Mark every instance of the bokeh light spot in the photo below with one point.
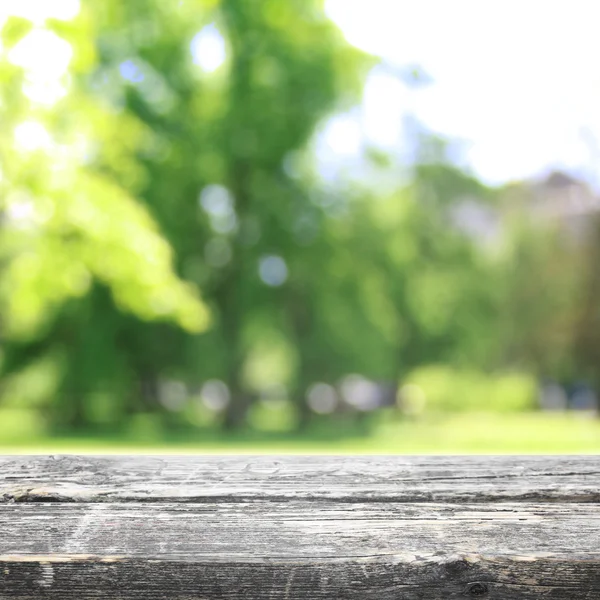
(131, 72)
(208, 48)
(32, 135)
(322, 398)
(215, 395)
(272, 270)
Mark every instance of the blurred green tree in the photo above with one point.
(542, 283)
(70, 220)
(196, 110)
(152, 150)
(399, 284)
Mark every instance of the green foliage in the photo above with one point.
(15, 28)
(448, 390)
(66, 222)
(136, 133)
(147, 183)
(91, 230)
(541, 289)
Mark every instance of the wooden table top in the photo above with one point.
(299, 527)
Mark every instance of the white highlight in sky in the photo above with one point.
(343, 135)
(130, 71)
(32, 135)
(516, 81)
(208, 48)
(21, 213)
(45, 58)
(37, 11)
(42, 52)
(384, 101)
(339, 142)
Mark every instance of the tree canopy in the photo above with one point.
(164, 227)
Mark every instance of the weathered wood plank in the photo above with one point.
(343, 478)
(210, 528)
(297, 550)
(350, 580)
(292, 530)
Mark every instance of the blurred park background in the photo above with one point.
(297, 225)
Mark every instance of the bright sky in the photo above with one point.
(518, 81)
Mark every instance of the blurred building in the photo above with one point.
(563, 198)
(559, 197)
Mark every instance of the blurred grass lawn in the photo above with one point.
(458, 433)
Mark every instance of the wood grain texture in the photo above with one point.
(210, 528)
(341, 478)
